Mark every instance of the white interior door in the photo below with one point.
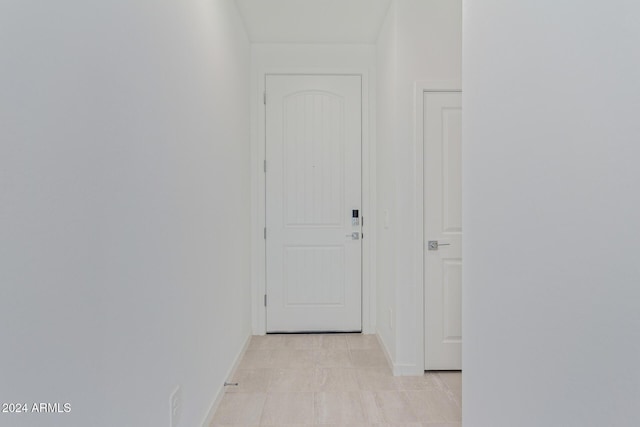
(443, 225)
(313, 187)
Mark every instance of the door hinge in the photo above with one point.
(265, 233)
(264, 97)
(265, 300)
(265, 166)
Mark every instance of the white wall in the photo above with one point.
(314, 58)
(124, 168)
(387, 64)
(427, 39)
(306, 57)
(551, 295)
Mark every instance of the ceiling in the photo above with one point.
(313, 21)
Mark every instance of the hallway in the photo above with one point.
(340, 379)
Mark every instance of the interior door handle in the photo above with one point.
(433, 245)
(354, 236)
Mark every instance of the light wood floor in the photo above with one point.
(337, 379)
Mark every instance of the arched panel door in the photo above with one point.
(313, 191)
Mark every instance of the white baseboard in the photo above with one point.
(403, 370)
(387, 355)
(399, 369)
(220, 394)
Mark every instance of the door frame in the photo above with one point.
(258, 193)
(420, 88)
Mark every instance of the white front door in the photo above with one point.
(443, 230)
(313, 190)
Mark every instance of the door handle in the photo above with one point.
(433, 245)
(354, 236)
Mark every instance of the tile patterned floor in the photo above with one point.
(333, 380)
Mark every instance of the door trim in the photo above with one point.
(258, 196)
(420, 88)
